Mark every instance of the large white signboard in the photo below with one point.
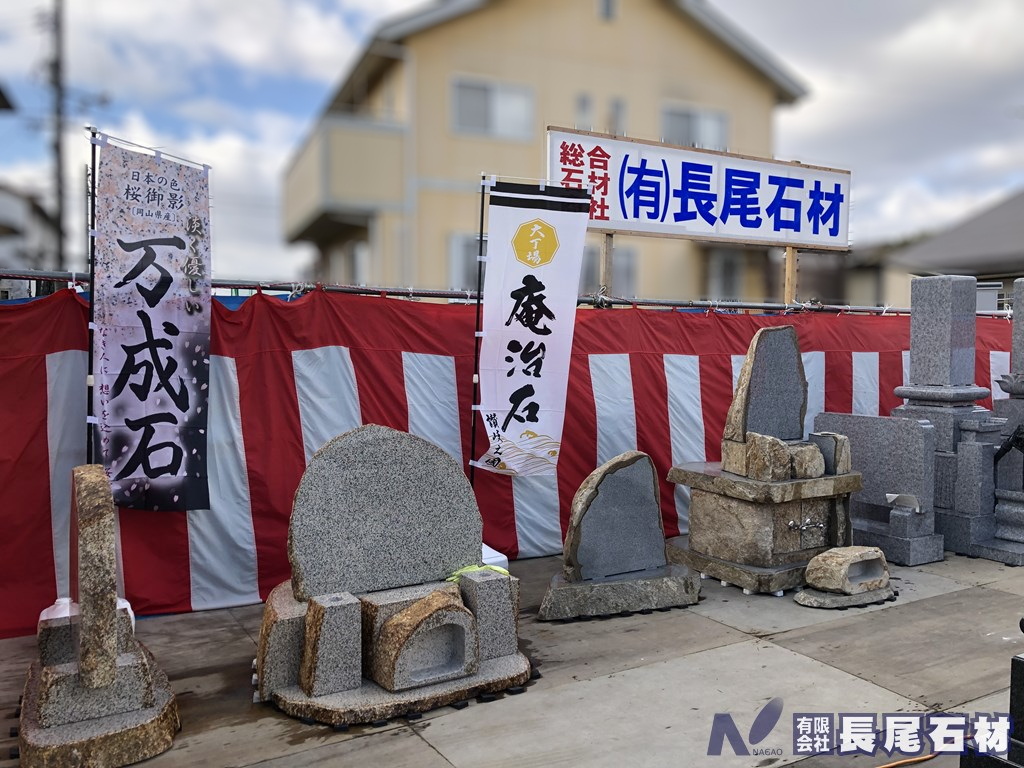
(654, 189)
(535, 248)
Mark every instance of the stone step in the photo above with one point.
(1010, 521)
(1000, 550)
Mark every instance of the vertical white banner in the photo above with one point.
(535, 250)
(151, 338)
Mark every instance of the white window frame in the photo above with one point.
(494, 128)
(460, 262)
(703, 118)
(624, 271)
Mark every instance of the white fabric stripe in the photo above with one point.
(325, 384)
(538, 529)
(612, 384)
(221, 541)
(906, 367)
(814, 370)
(865, 383)
(65, 439)
(433, 401)
(737, 367)
(999, 363)
(685, 421)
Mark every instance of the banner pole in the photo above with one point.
(607, 246)
(90, 381)
(790, 295)
(476, 336)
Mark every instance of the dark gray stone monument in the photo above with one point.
(775, 501)
(614, 551)
(368, 627)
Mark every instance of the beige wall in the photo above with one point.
(649, 56)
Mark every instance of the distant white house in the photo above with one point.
(28, 240)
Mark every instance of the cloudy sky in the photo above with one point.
(922, 99)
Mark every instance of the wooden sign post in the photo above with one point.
(790, 291)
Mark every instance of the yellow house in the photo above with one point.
(387, 184)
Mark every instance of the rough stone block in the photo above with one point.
(767, 458)
(848, 570)
(771, 394)
(63, 697)
(807, 461)
(95, 574)
(893, 455)
(433, 640)
(332, 654)
(975, 479)
(942, 330)
(493, 599)
(945, 479)
(57, 638)
(378, 607)
(835, 451)
(734, 457)
(279, 651)
(813, 598)
(376, 509)
(668, 587)
(615, 525)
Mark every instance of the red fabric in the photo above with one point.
(261, 336)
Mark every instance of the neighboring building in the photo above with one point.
(387, 184)
(989, 246)
(28, 240)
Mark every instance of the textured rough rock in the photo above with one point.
(431, 641)
(96, 576)
(615, 526)
(848, 570)
(667, 587)
(767, 458)
(771, 394)
(813, 598)
(377, 509)
(378, 607)
(493, 599)
(279, 651)
(63, 697)
(734, 457)
(807, 461)
(835, 451)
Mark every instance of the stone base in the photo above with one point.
(371, 702)
(113, 740)
(901, 551)
(667, 587)
(813, 598)
(999, 550)
(961, 532)
(750, 577)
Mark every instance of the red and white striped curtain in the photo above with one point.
(286, 377)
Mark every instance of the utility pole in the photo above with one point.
(57, 82)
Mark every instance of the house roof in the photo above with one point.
(376, 54)
(987, 244)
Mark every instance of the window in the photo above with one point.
(606, 9)
(623, 271)
(493, 109)
(584, 112)
(725, 274)
(462, 261)
(617, 117)
(688, 127)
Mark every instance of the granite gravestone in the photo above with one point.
(774, 502)
(614, 551)
(96, 695)
(368, 627)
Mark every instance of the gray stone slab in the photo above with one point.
(945, 479)
(942, 330)
(1017, 353)
(58, 638)
(901, 551)
(771, 394)
(493, 599)
(615, 525)
(893, 455)
(835, 451)
(377, 509)
(332, 655)
(667, 587)
(961, 532)
(945, 420)
(1000, 550)
(906, 523)
(64, 698)
(975, 479)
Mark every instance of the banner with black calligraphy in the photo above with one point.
(151, 338)
(535, 249)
